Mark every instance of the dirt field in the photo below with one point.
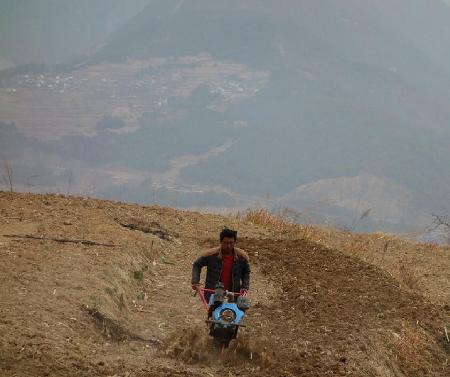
(126, 309)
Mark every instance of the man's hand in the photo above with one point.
(195, 287)
(243, 292)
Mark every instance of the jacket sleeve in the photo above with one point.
(197, 269)
(245, 275)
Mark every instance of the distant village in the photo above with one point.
(171, 80)
(55, 83)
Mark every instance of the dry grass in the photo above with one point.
(261, 216)
(412, 346)
(283, 223)
(409, 277)
(416, 266)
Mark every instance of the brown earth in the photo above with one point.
(80, 309)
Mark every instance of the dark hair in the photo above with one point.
(229, 233)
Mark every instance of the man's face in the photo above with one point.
(227, 245)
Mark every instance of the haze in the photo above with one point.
(337, 110)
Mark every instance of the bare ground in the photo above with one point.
(72, 309)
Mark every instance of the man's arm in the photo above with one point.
(245, 275)
(197, 266)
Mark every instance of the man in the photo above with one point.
(226, 264)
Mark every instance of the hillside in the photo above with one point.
(323, 302)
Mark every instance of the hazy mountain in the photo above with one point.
(356, 86)
(314, 100)
(51, 31)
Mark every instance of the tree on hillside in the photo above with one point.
(7, 175)
(441, 223)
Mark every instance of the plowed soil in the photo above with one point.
(69, 308)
